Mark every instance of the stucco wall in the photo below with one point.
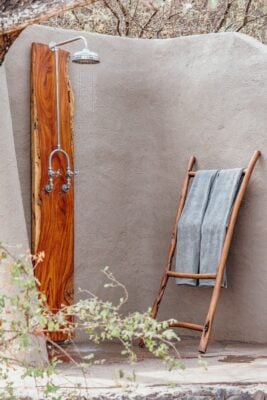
(13, 232)
(12, 222)
(139, 115)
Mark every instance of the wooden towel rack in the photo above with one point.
(218, 277)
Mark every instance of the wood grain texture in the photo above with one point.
(52, 213)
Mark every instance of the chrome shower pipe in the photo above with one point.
(57, 101)
(82, 57)
(53, 45)
(51, 172)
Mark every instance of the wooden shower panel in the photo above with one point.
(52, 213)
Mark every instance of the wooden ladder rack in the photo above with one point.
(218, 277)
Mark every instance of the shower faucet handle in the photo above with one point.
(71, 173)
(53, 173)
(57, 172)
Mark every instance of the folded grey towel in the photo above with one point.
(214, 225)
(189, 225)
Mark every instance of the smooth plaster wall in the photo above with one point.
(13, 231)
(12, 221)
(139, 115)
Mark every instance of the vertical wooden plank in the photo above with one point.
(52, 213)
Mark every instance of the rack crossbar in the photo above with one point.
(185, 275)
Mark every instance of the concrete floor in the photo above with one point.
(238, 363)
(234, 370)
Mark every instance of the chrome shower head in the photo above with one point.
(85, 56)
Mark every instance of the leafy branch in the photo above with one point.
(24, 313)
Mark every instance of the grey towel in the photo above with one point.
(189, 225)
(222, 196)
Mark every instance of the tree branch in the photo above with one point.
(245, 19)
(21, 17)
(114, 13)
(81, 25)
(126, 16)
(256, 18)
(147, 23)
(224, 16)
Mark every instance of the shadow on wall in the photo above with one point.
(139, 115)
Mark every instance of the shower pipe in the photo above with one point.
(84, 56)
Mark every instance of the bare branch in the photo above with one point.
(256, 18)
(125, 15)
(77, 19)
(132, 18)
(245, 19)
(21, 17)
(148, 23)
(224, 16)
(170, 18)
(115, 15)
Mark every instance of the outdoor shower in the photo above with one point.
(84, 56)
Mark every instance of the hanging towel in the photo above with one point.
(222, 196)
(189, 225)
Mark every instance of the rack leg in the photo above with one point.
(205, 337)
(165, 276)
(155, 308)
(227, 242)
(163, 284)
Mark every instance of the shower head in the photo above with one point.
(85, 56)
